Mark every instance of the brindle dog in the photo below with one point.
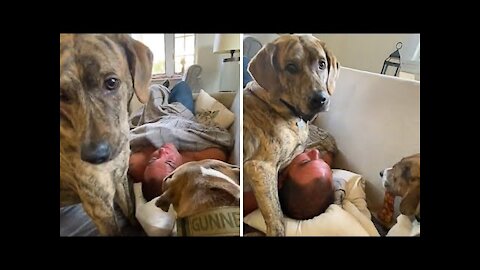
(294, 78)
(98, 76)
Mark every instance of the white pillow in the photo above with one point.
(355, 189)
(211, 112)
(335, 221)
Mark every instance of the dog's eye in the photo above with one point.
(292, 68)
(168, 178)
(322, 65)
(111, 83)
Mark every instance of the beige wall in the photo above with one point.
(263, 38)
(369, 51)
(365, 51)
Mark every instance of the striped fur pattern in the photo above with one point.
(98, 76)
(294, 77)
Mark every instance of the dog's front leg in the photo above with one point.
(97, 199)
(124, 198)
(124, 187)
(263, 179)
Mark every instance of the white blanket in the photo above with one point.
(405, 227)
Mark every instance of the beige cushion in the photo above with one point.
(209, 111)
(334, 222)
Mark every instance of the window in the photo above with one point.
(184, 52)
(416, 54)
(156, 43)
(172, 53)
(411, 55)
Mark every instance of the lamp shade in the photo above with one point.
(225, 43)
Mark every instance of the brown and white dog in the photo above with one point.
(197, 190)
(294, 77)
(98, 76)
(403, 180)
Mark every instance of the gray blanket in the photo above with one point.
(159, 122)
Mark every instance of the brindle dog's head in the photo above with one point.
(98, 76)
(298, 70)
(403, 180)
(200, 185)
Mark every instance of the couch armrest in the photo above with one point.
(231, 100)
(226, 98)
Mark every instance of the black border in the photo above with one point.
(430, 118)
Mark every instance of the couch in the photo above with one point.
(230, 100)
(375, 120)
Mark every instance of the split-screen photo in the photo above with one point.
(239, 134)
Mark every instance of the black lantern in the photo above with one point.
(393, 60)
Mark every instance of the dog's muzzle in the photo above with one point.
(298, 113)
(96, 153)
(384, 176)
(319, 101)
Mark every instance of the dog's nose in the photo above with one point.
(386, 184)
(96, 153)
(318, 99)
(381, 173)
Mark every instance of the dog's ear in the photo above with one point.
(221, 175)
(163, 202)
(333, 70)
(229, 170)
(232, 171)
(410, 201)
(220, 183)
(262, 67)
(140, 61)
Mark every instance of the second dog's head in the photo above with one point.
(299, 70)
(403, 180)
(199, 185)
(98, 76)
